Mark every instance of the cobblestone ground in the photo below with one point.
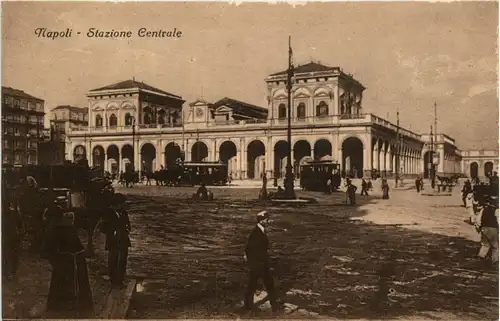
(329, 258)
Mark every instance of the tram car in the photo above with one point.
(210, 173)
(314, 175)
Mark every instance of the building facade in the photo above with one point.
(479, 163)
(328, 122)
(62, 120)
(22, 123)
(65, 117)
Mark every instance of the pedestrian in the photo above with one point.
(351, 192)
(487, 225)
(117, 228)
(385, 189)
(470, 207)
(257, 258)
(263, 192)
(12, 230)
(229, 179)
(70, 295)
(417, 184)
(202, 193)
(364, 187)
(466, 190)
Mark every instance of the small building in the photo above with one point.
(479, 163)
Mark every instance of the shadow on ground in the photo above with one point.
(191, 256)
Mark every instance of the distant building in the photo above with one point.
(63, 119)
(22, 123)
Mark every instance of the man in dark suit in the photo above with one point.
(116, 225)
(257, 259)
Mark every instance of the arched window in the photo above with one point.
(128, 119)
(301, 111)
(161, 117)
(148, 115)
(322, 109)
(282, 111)
(147, 119)
(98, 121)
(113, 121)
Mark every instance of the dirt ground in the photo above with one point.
(328, 258)
(334, 260)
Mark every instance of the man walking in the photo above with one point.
(364, 187)
(257, 258)
(417, 184)
(351, 192)
(487, 226)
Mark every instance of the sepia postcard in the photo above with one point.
(245, 160)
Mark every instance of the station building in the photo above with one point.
(132, 123)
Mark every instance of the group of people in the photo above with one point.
(70, 295)
(482, 215)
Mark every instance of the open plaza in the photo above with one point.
(330, 260)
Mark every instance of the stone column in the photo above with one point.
(366, 161)
(214, 151)
(375, 157)
(240, 159)
(120, 165)
(310, 111)
(388, 159)
(379, 158)
(88, 152)
(137, 156)
(158, 156)
(187, 151)
(441, 160)
(245, 163)
(269, 157)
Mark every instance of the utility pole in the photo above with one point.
(397, 148)
(431, 156)
(436, 142)
(432, 171)
(289, 190)
(27, 126)
(133, 143)
(435, 150)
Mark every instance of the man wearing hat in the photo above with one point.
(117, 229)
(257, 258)
(487, 226)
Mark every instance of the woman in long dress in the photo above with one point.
(70, 295)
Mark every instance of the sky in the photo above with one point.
(408, 55)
